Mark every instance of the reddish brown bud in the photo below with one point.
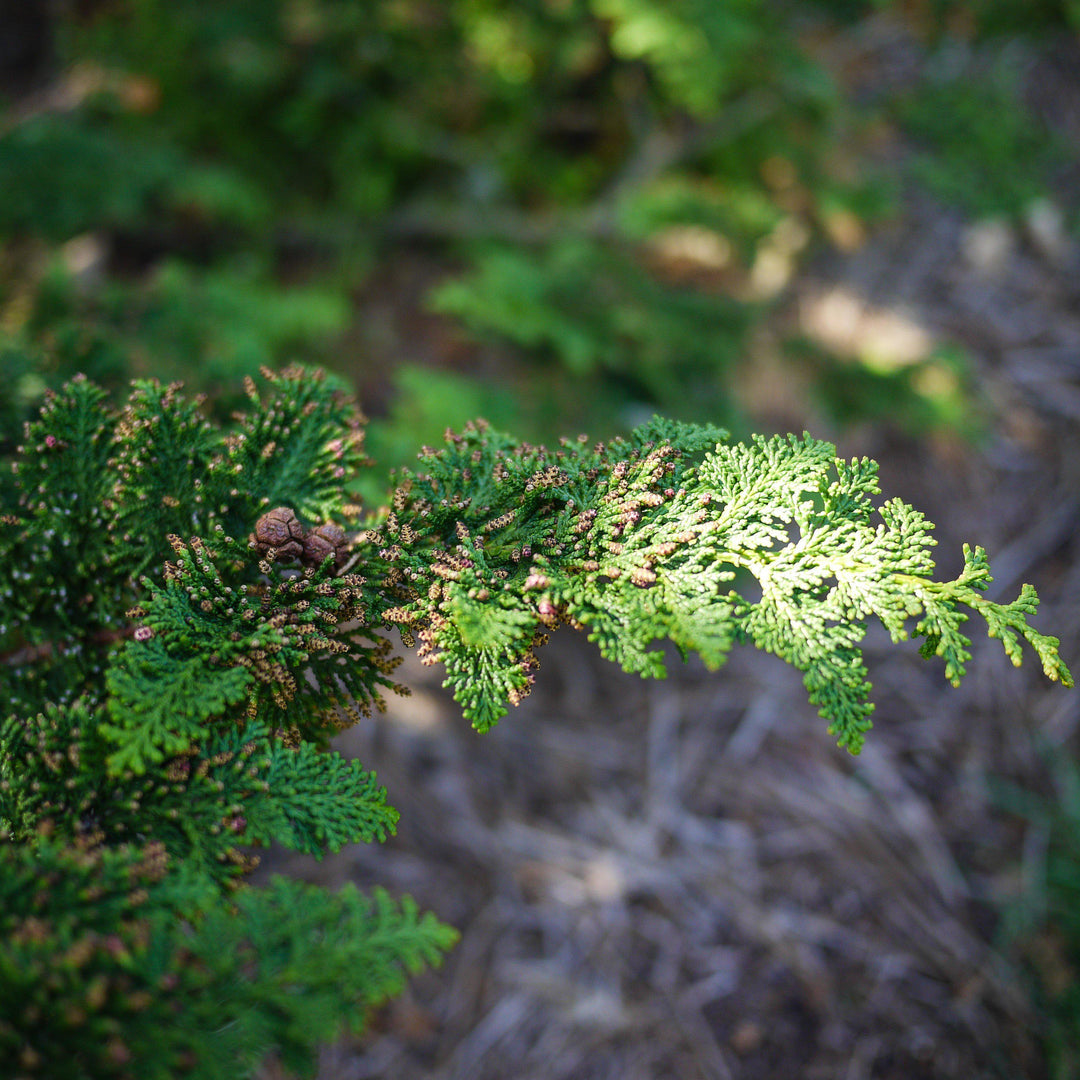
(280, 530)
(323, 541)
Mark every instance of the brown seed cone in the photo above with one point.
(324, 540)
(280, 530)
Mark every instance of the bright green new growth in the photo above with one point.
(637, 542)
(173, 670)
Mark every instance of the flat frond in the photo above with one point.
(160, 703)
(639, 541)
(320, 802)
(296, 447)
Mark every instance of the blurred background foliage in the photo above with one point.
(607, 196)
(559, 214)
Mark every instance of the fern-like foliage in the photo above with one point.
(189, 614)
(58, 581)
(101, 976)
(238, 787)
(494, 542)
(213, 645)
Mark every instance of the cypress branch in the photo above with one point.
(644, 539)
(188, 615)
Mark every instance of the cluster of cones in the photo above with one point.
(280, 531)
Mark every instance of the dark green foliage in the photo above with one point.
(58, 578)
(91, 487)
(240, 786)
(163, 448)
(172, 473)
(159, 726)
(100, 977)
